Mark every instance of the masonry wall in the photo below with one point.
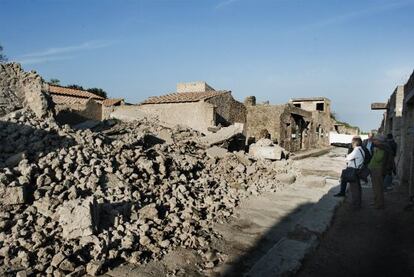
(311, 105)
(193, 87)
(20, 89)
(406, 163)
(295, 135)
(198, 115)
(345, 130)
(287, 125)
(92, 110)
(320, 129)
(264, 117)
(228, 110)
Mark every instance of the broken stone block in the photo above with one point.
(57, 259)
(14, 195)
(216, 152)
(222, 135)
(79, 218)
(149, 212)
(93, 268)
(273, 153)
(287, 178)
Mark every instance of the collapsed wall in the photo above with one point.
(20, 89)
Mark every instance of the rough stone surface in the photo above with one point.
(264, 149)
(284, 259)
(153, 189)
(20, 89)
(13, 195)
(79, 218)
(222, 135)
(216, 152)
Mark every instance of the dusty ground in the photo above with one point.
(369, 242)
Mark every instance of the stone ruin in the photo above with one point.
(78, 202)
(19, 89)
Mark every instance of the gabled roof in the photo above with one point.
(112, 101)
(184, 97)
(53, 89)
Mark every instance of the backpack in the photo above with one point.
(364, 171)
(367, 155)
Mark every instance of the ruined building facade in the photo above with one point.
(196, 105)
(74, 105)
(292, 126)
(399, 120)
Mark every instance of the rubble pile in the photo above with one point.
(81, 201)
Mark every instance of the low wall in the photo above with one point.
(342, 138)
(198, 116)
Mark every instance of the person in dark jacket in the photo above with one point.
(390, 167)
(369, 144)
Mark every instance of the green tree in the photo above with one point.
(98, 91)
(75, 87)
(54, 81)
(3, 57)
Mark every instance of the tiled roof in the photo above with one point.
(73, 92)
(112, 101)
(183, 97)
(68, 100)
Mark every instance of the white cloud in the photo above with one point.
(61, 53)
(37, 60)
(67, 49)
(355, 14)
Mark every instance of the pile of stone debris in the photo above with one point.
(78, 202)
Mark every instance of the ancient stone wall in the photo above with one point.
(321, 127)
(193, 87)
(92, 110)
(292, 127)
(228, 110)
(106, 111)
(20, 89)
(264, 117)
(405, 163)
(198, 116)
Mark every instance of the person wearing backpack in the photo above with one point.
(390, 167)
(355, 161)
(378, 167)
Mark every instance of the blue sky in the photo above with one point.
(354, 52)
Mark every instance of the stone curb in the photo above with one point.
(312, 153)
(286, 256)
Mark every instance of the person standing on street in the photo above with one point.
(368, 143)
(390, 166)
(377, 167)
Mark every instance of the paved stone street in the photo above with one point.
(368, 242)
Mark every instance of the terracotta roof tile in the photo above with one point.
(183, 97)
(112, 101)
(73, 92)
